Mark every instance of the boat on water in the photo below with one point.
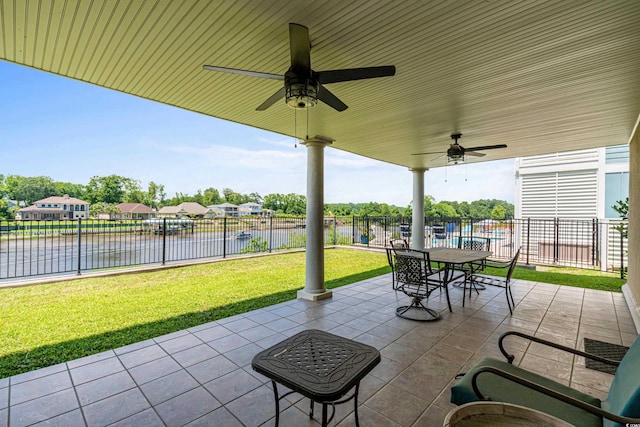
(243, 235)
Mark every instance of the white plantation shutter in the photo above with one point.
(570, 194)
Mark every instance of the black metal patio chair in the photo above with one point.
(416, 279)
(502, 282)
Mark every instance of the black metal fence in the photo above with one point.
(592, 244)
(35, 248)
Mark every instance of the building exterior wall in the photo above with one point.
(55, 209)
(573, 184)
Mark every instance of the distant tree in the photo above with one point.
(155, 195)
(480, 209)
(256, 198)
(463, 209)
(339, 209)
(235, 198)
(4, 209)
(73, 190)
(133, 192)
(371, 209)
(211, 196)
(107, 189)
(199, 197)
(429, 201)
(498, 212)
(444, 210)
(29, 189)
(179, 198)
(103, 208)
(290, 204)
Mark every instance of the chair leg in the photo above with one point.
(511, 303)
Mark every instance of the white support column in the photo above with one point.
(631, 289)
(417, 218)
(314, 287)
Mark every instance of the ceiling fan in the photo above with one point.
(303, 86)
(456, 152)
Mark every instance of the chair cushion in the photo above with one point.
(624, 393)
(502, 390)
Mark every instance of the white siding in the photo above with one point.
(556, 159)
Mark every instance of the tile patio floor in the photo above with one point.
(202, 376)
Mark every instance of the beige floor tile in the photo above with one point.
(411, 385)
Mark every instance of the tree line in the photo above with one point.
(104, 192)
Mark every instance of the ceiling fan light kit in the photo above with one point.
(455, 158)
(301, 93)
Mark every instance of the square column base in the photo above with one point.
(634, 308)
(302, 294)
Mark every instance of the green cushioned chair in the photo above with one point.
(499, 381)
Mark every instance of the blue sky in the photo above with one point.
(71, 131)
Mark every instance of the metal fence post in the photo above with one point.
(79, 244)
(353, 229)
(335, 231)
(622, 275)
(164, 240)
(368, 225)
(528, 238)
(556, 236)
(384, 240)
(511, 231)
(594, 242)
(224, 237)
(270, 233)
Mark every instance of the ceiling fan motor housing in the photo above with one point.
(301, 92)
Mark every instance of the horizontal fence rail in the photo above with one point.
(37, 248)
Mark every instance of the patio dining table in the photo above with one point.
(452, 257)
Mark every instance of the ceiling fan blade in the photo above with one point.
(300, 47)
(349, 74)
(272, 99)
(244, 72)
(486, 147)
(430, 152)
(330, 99)
(473, 153)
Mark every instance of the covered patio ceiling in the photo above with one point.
(540, 77)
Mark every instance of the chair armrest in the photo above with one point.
(549, 392)
(497, 263)
(510, 357)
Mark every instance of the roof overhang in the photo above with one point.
(539, 76)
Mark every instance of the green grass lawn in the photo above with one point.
(47, 324)
(580, 278)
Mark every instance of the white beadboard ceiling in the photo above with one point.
(539, 76)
